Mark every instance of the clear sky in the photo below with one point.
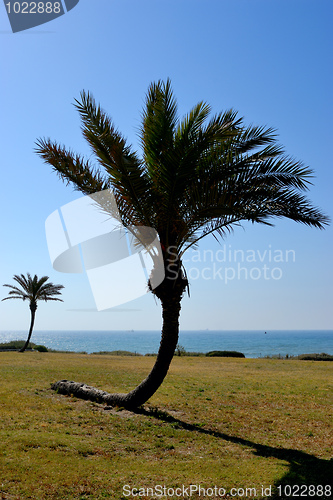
(269, 59)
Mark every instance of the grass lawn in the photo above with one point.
(224, 422)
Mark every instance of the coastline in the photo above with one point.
(253, 344)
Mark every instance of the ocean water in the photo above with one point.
(253, 344)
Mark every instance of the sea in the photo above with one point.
(253, 344)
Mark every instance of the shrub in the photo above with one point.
(40, 348)
(316, 357)
(180, 350)
(225, 354)
(118, 353)
(15, 345)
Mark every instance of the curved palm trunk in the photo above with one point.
(33, 308)
(141, 394)
(170, 294)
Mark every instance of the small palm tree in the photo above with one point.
(195, 177)
(33, 290)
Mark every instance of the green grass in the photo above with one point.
(233, 423)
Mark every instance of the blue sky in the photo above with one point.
(268, 59)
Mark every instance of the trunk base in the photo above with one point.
(87, 392)
(170, 293)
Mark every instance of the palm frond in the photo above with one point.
(194, 141)
(159, 121)
(71, 168)
(124, 169)
(16, 293)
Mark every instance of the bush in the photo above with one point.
(180, 350)
(225, 354)
(118, 353)
(40, 348)
(15, 345)
(316, 357)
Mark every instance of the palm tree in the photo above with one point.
(195, 177)
(33, 290)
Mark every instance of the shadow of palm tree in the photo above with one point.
(304, 469)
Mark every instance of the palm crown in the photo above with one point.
(195, 177)
(33, 289)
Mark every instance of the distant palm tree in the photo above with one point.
(33, 290)
(195, 177)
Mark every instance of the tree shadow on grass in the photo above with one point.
(304, 469)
